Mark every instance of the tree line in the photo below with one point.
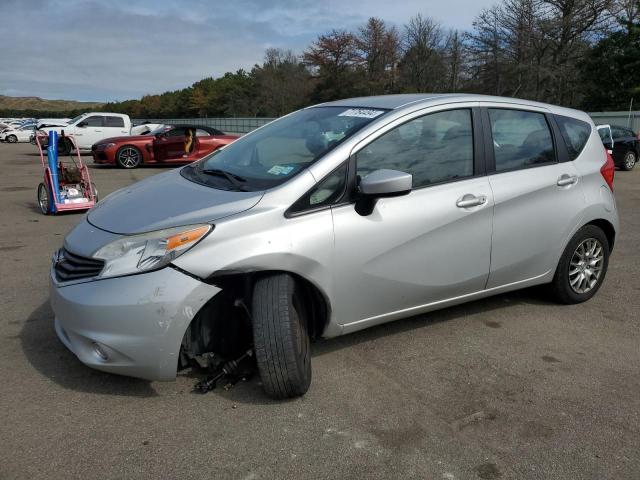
(575, 53)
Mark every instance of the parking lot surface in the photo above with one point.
(513, 386)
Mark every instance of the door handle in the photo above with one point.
(566, 179)
(470, 200)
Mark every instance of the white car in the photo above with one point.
(15, 135)
(90, 128)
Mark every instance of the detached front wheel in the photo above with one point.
(280, 336)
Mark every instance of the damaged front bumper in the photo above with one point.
(129, 325)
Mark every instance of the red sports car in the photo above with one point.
(167, 144)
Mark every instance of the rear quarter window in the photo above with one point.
(575, 134)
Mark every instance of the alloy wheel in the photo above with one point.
(129, 157)
(629, 160)
(585, 266)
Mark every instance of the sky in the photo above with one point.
(110, 50)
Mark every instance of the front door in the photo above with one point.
(171, 146)
(425, 247)
(90, 132)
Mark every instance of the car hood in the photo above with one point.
(166, 200)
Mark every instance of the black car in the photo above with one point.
(624, 144)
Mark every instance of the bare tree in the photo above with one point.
(422, 66)
(378, 48)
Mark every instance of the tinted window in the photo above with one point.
(327, 192)
(575, 134)
(605, 134)
(520, 139)
(95, 121)
(435, 148)
(114, 122)
(619, 132)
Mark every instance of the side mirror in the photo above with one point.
(82, 124)
(381, 183)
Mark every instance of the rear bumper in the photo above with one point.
(129, 325)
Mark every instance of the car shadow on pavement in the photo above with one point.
(51, 358)
(537, 295)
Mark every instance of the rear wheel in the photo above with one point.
(128, 157)
(44, 199)
(629, 161)
(12, 138)
(582, 267)
(280, 336)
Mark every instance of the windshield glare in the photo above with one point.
(278, 151)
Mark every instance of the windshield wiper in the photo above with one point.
(232, 178)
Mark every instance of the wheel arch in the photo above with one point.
(230, 310)
(607, 227)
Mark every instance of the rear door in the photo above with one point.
(114, 126)
(425, 247)
(538, 198)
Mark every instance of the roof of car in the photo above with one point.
(397, 101)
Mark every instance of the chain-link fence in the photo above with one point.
(227, 125)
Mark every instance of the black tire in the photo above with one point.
(44, 199)
(95, 191)
(128, 162)
(64, 146)
(280, 337)
(11, 139)
(561, 285)
(629, 160)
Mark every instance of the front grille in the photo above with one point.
(70, 266)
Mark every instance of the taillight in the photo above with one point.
(608, 170)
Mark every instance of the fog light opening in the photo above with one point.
(100, 352)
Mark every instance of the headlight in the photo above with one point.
(148, 251)
(109, 145)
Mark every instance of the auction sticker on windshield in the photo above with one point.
(361, 113)
(280, 170)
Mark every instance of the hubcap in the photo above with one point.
(630, 160)
(129, 157)
(585, 267)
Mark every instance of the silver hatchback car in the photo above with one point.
(332, 219)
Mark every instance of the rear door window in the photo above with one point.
(521, 139)
(94, 121)
(117, 122)
(575, 134)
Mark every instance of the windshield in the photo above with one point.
(75, 119)
(280, 150)
(158, 130)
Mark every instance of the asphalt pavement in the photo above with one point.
(510, 387)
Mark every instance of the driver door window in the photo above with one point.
(435, 148)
